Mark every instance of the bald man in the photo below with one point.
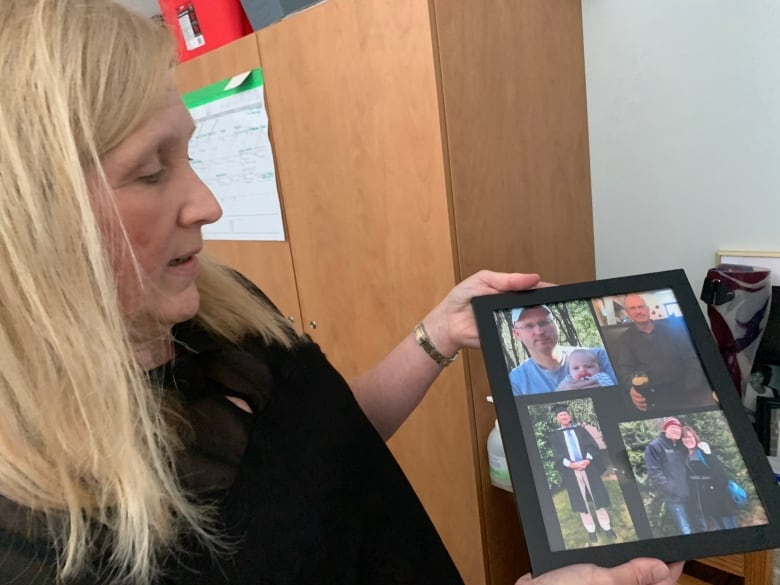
(661, 349)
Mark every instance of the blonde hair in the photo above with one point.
(84, 439)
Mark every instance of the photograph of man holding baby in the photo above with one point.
(553, 348)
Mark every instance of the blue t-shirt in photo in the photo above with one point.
(530, 378)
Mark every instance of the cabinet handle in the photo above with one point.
(313, 324)
(291, 319)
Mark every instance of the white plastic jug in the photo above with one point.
(499, 470)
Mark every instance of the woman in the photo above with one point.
(161, 423)
(760, 378)
(710, 502)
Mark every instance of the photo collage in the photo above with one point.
(624, 433)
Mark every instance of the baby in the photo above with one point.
(584, 365)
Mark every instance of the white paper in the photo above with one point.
(231, 153)
(237, 80)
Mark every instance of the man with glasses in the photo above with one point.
(546, 369)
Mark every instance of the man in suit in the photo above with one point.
(577, 460)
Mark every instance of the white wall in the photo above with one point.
(684, 121)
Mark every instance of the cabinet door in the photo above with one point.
(353, 100)
(267, 264)
(513, 87)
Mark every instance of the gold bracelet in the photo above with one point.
(421, 335)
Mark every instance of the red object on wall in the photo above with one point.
(202, 25)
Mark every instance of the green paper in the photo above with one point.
(216, 91)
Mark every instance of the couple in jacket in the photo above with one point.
(692, 480)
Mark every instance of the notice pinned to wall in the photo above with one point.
(231, 152)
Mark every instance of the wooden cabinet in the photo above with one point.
(417, 142)
(751, 569)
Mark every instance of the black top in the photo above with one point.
(665, 462)
(709, 486)
(305, 487)
(668, 357)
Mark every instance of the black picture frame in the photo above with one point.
(768, 424)
(553, 534)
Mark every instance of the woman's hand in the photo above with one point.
(389, 391)
(634, 572)
(451, 325)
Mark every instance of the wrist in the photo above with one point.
(439, 351)
(437, 324)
